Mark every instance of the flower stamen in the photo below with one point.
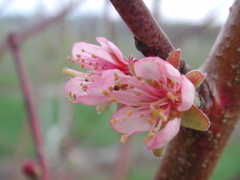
(81, 66)
(69, 93)
(116, 76)
(154, 105)
(150, 120)
(94, 56)
(70, 59)
(72, 72)
(148, 138)
(113, 121)
(171, 96)
(106, 93)
(124, 138)
(112, 99)
(110, 88)
(129, 112)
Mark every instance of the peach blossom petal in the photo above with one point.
(73, 86)
(170, 72)
(165, 135)
(91, 100)
(86, 50)
(147, 68)
(103, 82)
(111, 49)
(133, 124)
(187, 94)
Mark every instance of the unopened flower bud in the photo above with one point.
(31, 169)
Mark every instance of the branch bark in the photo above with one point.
(193, 154)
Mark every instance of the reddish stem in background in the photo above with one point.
(123, 162)
(32, 115)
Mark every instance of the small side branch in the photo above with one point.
(32, 115)
(123, 161)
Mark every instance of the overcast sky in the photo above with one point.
(172, 10)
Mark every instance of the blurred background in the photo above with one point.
(80, 144)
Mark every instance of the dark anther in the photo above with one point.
(116, 88)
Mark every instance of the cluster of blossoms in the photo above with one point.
(152, 95)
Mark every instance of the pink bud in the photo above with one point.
(31, 169)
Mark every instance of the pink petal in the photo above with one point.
(133, 124)
(87, 50)
(124, 97)
(80, 48)
(111, 48)
(156, 68)
(127, 97)
(83, 97)
(103, 82)
(165, 135)
(139, 87)
(169, 71)
(147, 68)
(73, 86)
(91, 100)
(187, 93)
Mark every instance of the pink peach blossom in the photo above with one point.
(96, 58)
(102, 62)
(152, 101)
(151, 94)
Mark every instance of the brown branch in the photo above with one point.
(192, 154)
(149, 37)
